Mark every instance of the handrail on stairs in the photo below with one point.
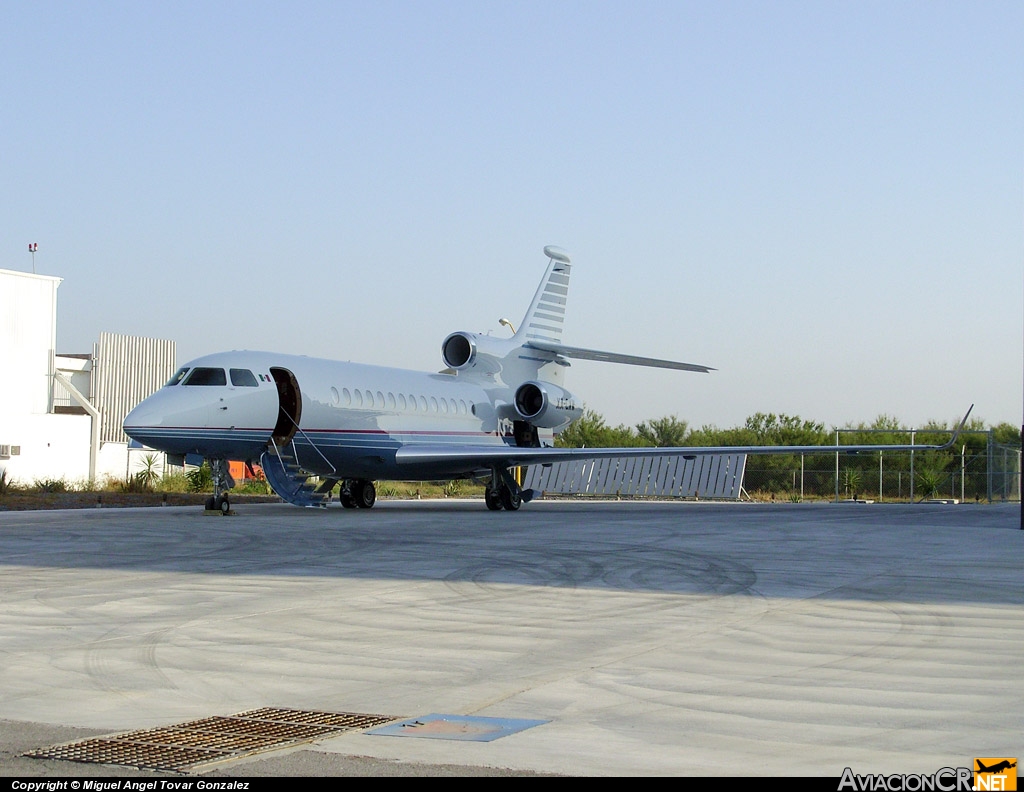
(295, 449)
(277, 453)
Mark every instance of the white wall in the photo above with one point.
(112, 461)
(52, 447)
(28, 335)
(117, 461)
(56, 446)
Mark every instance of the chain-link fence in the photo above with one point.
(993, 475)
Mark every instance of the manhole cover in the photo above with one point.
(185, 747)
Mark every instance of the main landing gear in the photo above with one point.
(357, 493)
(503, 492)
(222, 482)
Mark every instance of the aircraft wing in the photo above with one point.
(613, 357)
(508, 456)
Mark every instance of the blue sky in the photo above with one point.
(825, 201)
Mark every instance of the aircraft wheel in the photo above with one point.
(493, 500)
(345, 494)
(224, 504)
(511, 499)
(211, 504)
(365, 494)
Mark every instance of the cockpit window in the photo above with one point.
(206, 376)
(179, 376)
(243, 378)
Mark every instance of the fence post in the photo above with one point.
(988, 466)
(837, 466)
(912, 468)
(963, 452)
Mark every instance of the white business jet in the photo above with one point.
(314, 423)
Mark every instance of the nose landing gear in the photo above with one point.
(218, 503)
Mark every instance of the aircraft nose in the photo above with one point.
(146, 413)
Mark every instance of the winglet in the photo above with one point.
(959, 429)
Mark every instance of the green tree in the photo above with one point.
(1006, 434)
(592, 431)
(771, 429)
(664, 432)
(777, 472)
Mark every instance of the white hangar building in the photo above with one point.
(60, 415)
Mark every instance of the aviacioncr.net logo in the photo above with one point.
(995, 774)
(945, 779)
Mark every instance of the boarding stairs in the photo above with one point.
(291, 481)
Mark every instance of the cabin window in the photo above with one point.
(369, 399)
(401, 402)
(462, 407)
(423, 403)
(433, 404)
(335, 397)
(347, 396)
(243, 378)
(444, 407)
(207, 376)
(179, 376)
(391, 400)
(357, 396)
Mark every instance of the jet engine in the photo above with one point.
(459, 350)
(499, 361)
(545, 405)
(471, 353)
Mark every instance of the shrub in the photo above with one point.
(200, 479)
(140, 482)
(50, 485)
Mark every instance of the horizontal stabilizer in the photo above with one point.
(613, 357)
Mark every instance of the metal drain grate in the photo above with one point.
(185, 747)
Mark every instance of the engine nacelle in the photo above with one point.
(474, 354)
(502, 362)
(545, 405)
(459, 350)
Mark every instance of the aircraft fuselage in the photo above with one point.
(345, 419)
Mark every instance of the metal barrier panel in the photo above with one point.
(717, 476)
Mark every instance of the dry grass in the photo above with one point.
(23, 501)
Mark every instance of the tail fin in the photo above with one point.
(541, 329)
(546, 316)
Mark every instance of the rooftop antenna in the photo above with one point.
(32, 248)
